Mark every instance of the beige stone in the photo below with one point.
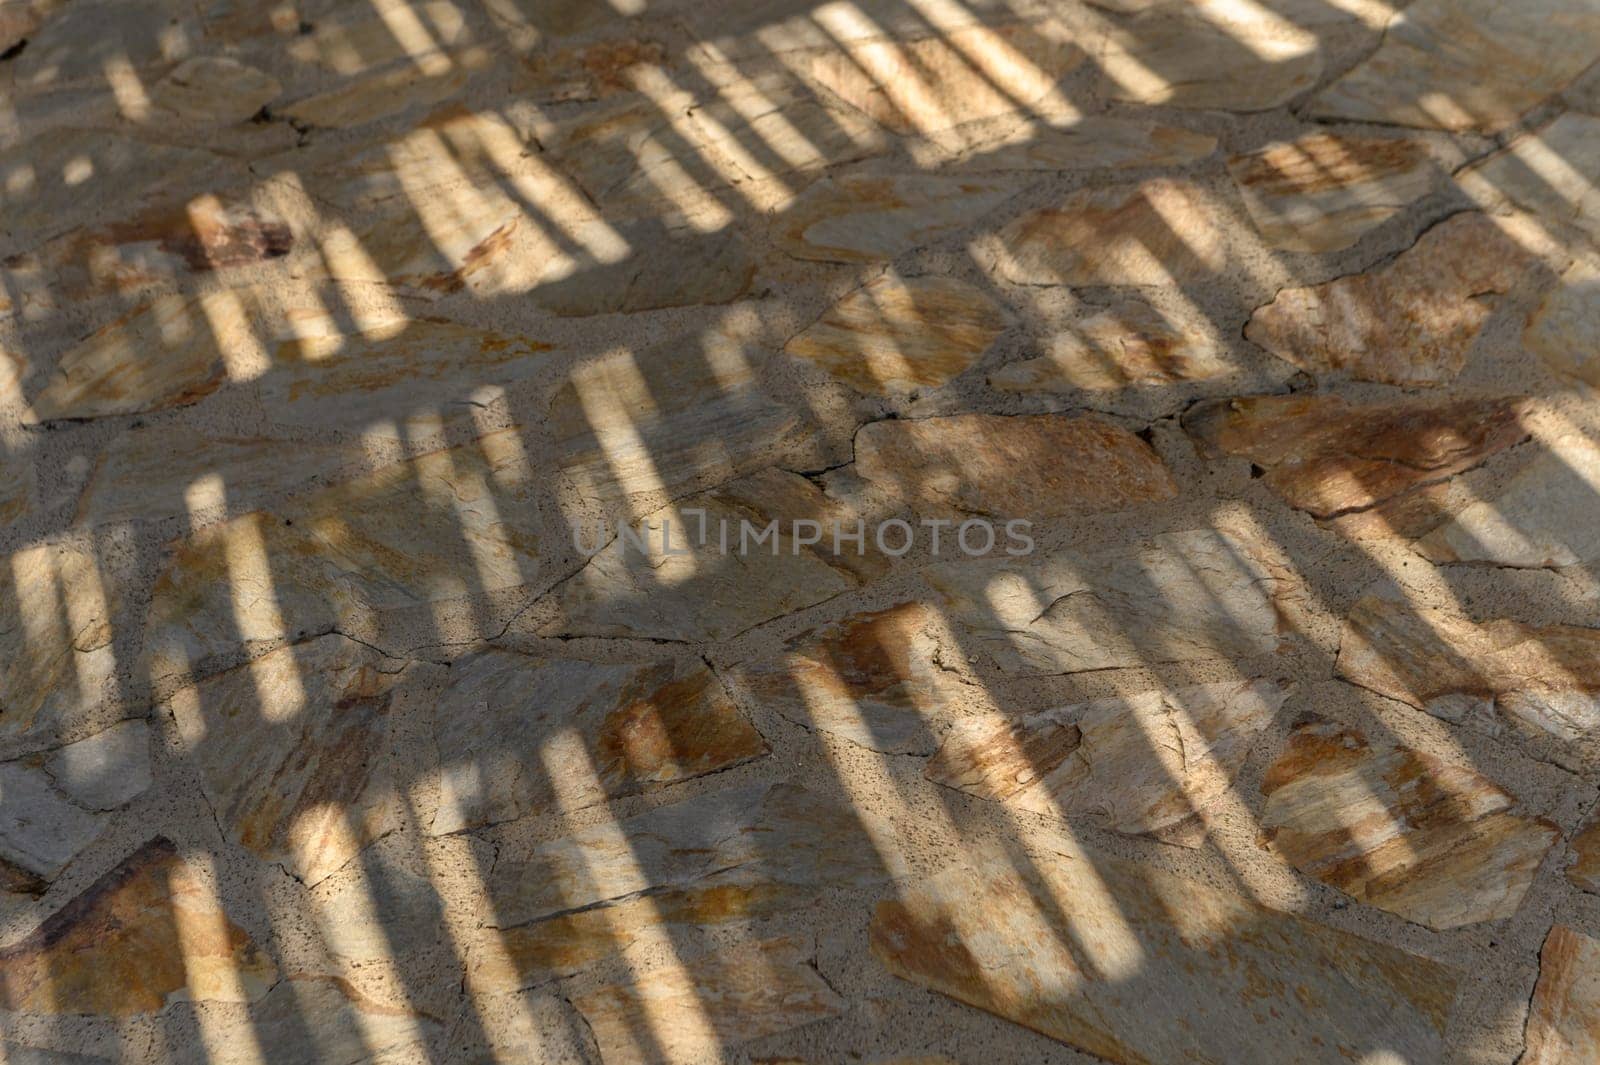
(1329, 458)
(1466, 64)
(1177, 597)
(694, 1011)
(1091, 143)
(1130, 344)
(214, 90)
(1325, 191)
(894, 335)
(1135, 964)
(148, 933)
(1411, 322)
(1564, 1016)
(1023, 466)
(294, 752)
(1398, 829)
(370, 97)
(1584, 871)
(678, 269)
(863, 218)
(1546, 173)
(503, 717)
(350, 41)
(1537, 520)
(1161, 231)
(876, 678)
(1564, 330)
(1153, 763)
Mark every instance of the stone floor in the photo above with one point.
(382, 381)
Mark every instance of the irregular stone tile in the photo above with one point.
(1329, 458)
(862, 218)
(687, 410)
(927, 85)
(16, 1054)
(14, 491)
(81, 44)
(313, 1017)
(1564, 329)
(703, 590)
(774, 840)
(350, 41)
(1584, 872)
(1564, 1016)
(695, 1010)
(1537, 520)
(640, 725)
(1153, 763)
(1129, 344)
(1466, 64)
(873, 678)
(1540, 680)
(661, 270)
(1092, 143)
(1207, 56)
(1398, 829)
(1013, 466)
(57, 665)
(1546, 173)
(294, 752)
(370, 97)
(1161, 231)
(430, 250)
(399, 543)
(1135, 964)
(1178, 597)
(894, 335)
(1410, 322)
(1324, 191)
(588, 71)
(148, 933)
(55, 801)
(214, 90)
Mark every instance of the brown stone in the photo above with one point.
(148, 933)
(1564, 330)
(1411, 322)
(1024, 466)
(1325, 191)
(1564, 1015)
(862, 218)
(1584, 872)
(294, 752)
(1161, 231)
(1398, 829)
(1329, 458)
(1135, 964)
(1153, 763)
(641, 725)
(1091, 143)
(895, 335)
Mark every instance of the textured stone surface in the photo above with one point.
(1092, 143)
(1153, 763)
(1466, 64)
(148, 933)
(1027, 466)
(368, 98)
(1178, 597)
(895, 335)
(1584, 870)
(1135, 964)
(1489, 675)
(1329, 457)
(1324, 191)
(639, 725)
(862, 218)
(214, 90)
(1564, 1016)
(294, 751)
(1400, 830)
(707, 1004)
(1160, 231)
(1545, 172)
(1411, 322)
(1564, 330)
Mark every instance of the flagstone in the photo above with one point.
(1154, 763)
(866, 217)
(1546, 173)
(214, 90)
(1466, 64)
(1161, 231)
(1584, 871)
(1091, 143)
(294, 751)
(1564, 1015)
(1564, 330)
(1017, 466)
(896, 335)
(504, 716)
(711, 1002)
(1410, 322)
(1399, 829)
(370, 97)
(1178, 597)
(1324, 191)
(350, 41)
(148, 933)
(1330, 458)
(1136, 964)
